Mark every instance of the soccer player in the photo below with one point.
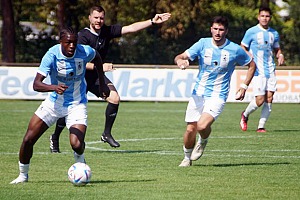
(98, 36)
(261, 41)
(217, 58)
(65, 64)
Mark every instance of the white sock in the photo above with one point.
(187, 153)
(79, 158)
(201, 140)
(265, 113)
(24, 169)
(251, 108)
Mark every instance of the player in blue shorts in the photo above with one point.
(262, 42)
(98, 35)
(65, 64)
(217, 57)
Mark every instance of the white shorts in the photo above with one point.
(49, 112)
(263, 84)
(198, 105)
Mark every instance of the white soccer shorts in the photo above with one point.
(198, 105)
(262, 84)
(49, 112)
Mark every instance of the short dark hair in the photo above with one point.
(67, 30)
(265, 8)
(220, 20)
(97, 8)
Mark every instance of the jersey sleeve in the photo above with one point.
(242, 57)
(82, 38)
(116, 31)
(91, 53)
(46, 64)
(276, 40)
(194, 51)
(246, 39)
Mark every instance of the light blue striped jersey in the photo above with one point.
(69, 71)
(261, 43)
(216, 65)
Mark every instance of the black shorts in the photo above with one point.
(94, 87)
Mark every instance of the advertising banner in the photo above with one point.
(134, 84)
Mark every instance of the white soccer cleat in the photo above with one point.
(20, 179)
(198, 150)
(185, 163)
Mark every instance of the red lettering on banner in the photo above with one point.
(295, 83)
(282, 83)
(287, 80)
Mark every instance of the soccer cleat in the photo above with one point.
(110, 140)
(185, 163)
(261, 130)
(54, 145)
(198, 150)
(20, 179)
(243, 123)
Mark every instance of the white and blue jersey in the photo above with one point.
(216, 65)
(69, 71)
(261, 43)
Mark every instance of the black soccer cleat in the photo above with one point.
(110, 140)
(54, 145)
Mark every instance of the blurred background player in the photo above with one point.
(98, 36)
(217, 58)
(260, 42)
(65, 64)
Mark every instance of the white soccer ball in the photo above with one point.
(79, 174)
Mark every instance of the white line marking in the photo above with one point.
(206, 154)
(175, 153)
(89, 145)
(148, 139)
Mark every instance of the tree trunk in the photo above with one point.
(61, 13)
(8, 32)
(265, 3)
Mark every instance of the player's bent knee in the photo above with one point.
(78, 147)
(113, 98)
(77, 139)
(202, 128)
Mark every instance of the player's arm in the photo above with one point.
(240, 94)
(250, 72)
(137, 26)
(40, 86)
(107, 67)
(247, 50)
(279, 56)
(104, 90)
(182, 60)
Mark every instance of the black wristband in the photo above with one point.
(152, 22)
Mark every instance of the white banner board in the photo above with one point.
(135, 84)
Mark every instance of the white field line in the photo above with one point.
(89, 145)
(206, 154)
(148, 139)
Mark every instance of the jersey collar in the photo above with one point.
(93, 32)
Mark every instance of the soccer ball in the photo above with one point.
(79, 174)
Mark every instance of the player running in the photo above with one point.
(98, 35)
(217, 58)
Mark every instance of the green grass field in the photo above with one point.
(235, 165)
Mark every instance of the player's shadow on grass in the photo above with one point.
(125, 151)
(121, 181)
(242, 164)
(286, 130)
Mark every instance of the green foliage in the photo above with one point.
(235, 164)
(291, 32)
(156, 45)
